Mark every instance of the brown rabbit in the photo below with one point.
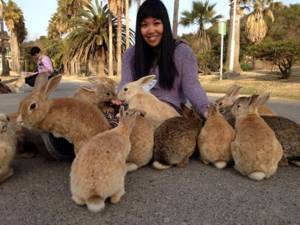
(287, 132)
(142, 141)
(215, 139)
(175, 139)
(156, 110)
(99, 169)
(8, 142)
(75, 120)
(255, 149)
(228, 99)
(100, 93)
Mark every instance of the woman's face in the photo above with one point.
(152, 30)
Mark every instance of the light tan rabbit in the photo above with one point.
(228, 99)
(75, 120)
(156, 110)
(17, 85)
(98, 171)
(8, 142)
(215, 139)
(142, 141)
(255, 149)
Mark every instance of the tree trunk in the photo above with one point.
(119, 39)
(110, 47)
(175, 18)
(236, 23)
(15, 52)
(5, 71)
(127, 22)
(101, 67)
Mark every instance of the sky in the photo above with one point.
(37, 13)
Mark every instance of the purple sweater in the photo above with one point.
(186, 85)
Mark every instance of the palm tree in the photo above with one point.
(241, 5)
(175, 18)
(3, 55)
(14, 21)
(256, 26)
(88, 39)
(202, 14)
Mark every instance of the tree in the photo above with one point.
(88, 39)
(3, 51)
(14, 20)
(241, 5)
(202, 14)
(281, 53)
(256, 26)
(175, 18)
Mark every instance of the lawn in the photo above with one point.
(257, 82)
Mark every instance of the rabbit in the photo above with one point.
(255, 149)
(175, 139)
(99, 169)
(8, 143)
(287, 132)
(156, 110)
(142, 141)
(75, 120)
(17, 85)
(228, 99)
(215, 139)
(100, 93)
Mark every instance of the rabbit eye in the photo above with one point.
(32, 106)
(220, 103)
(238, 106)
(125, 89)
(108, 94)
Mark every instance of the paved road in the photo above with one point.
(38, 193)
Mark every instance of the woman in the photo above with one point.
(157, 52)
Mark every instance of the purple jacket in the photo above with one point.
(186, 85)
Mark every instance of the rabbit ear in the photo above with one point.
(88, 88)
(50, 86)
(258, 100)
(146, 80)
(234, 92)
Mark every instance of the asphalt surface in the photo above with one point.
(39, 191)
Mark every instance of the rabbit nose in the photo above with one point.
(20, 119)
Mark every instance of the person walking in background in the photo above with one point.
(172, 61)
(43, 64)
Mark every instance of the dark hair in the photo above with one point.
(35, 50)
(145, 56)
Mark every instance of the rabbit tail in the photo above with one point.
(95, 203)
(160, 166)
(257, 176)
(220, 164)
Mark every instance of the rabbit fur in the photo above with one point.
(17, 85)
(75, 120)
(255, 149)
(156, 110)
(215, 139)
(175, 139)
(8, 143)
(232, 94)
(100, 93)
(99, 169)
(287, 132)
(142, 141)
